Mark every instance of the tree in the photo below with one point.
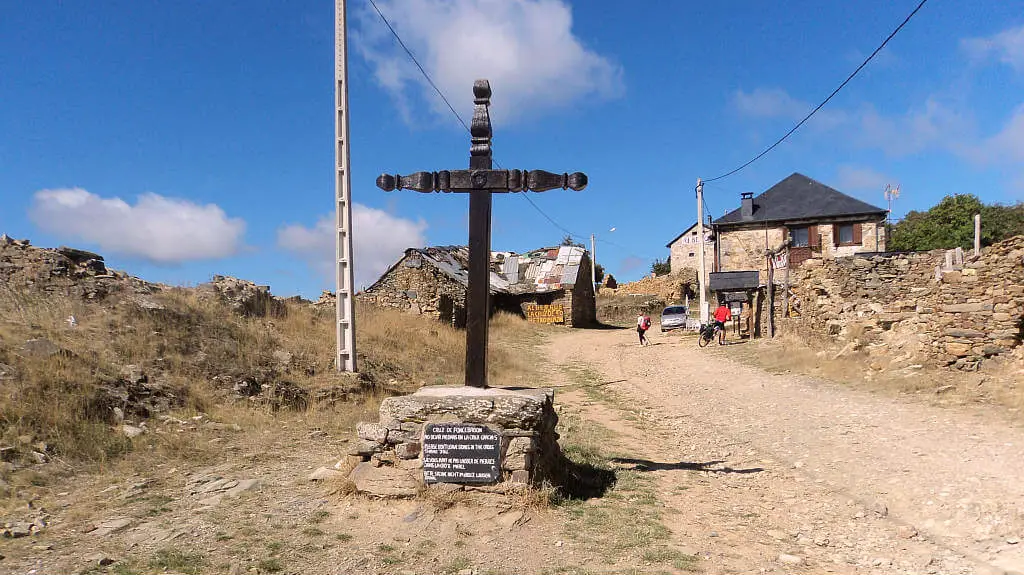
(568, 241)
(598, 273)
(661, 267)
(950, 224)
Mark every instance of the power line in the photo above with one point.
(834, 92)
(415, 61)
(458, 117)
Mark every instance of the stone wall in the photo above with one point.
(972, 313)
(418, 287)
(389, 452)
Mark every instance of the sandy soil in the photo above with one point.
(741, 470)
(845, 480)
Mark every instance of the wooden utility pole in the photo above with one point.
(702, 288)
(345, 359)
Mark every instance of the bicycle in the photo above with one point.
(708, 333)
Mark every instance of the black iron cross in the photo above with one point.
(480, 181)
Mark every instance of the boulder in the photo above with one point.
(385, 481)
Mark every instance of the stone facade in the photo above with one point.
(744, 248)
(683, 251)
(390, 451)
(970, 313)
(415, 286)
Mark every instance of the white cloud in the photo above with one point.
(1008, 144)
(526, 49)
(769, 103)
(1007, 47)
(777, 103)
(379, 239)
(932, 125)
(157, 228)
(855, 178)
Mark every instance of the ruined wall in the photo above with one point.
(415, 286)
(974, 312)
(580, 302)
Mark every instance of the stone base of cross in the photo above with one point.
(480, 181)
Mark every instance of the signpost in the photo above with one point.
(461, 453)
(480, 181)
(545, 313)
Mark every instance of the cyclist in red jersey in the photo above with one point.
(722, 315)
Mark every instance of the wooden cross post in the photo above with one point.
(480, 181)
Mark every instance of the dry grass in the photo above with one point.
(193, 339)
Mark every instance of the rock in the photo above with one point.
(958, 349)
(18, 530)
(384, 481)
(372, 432)
(968, 333)
(283, 357)
(131, 431)
(966, 308)
(790, 559)
(323, 474)
(906, 532)
(243, 486)
(99, 560)
(40, 347)
(364, 448)
(777, 535)
(522, 409)
(78, 256)
(110, 526)
(38, 458)
(409, 450)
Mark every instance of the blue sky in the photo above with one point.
(183, 139)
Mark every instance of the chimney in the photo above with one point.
(747, 205)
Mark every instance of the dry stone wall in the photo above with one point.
(958, 317)
(419, 288)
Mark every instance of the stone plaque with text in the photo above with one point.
(461, 453)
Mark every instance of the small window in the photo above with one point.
(800, 237)
(691, 254)
(846, 234)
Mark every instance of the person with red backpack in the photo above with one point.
(643, 323)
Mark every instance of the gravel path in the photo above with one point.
(851, 482)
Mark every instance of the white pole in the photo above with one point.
(700, 253)
(346, 356)
(593, 264)
(977, 234)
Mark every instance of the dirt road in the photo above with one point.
(804, 475)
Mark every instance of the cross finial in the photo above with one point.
(480, 129)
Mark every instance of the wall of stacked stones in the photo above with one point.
(418, 289)
(971, 313)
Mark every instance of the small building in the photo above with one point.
(683, 250)
(808, 217)
(550, 285)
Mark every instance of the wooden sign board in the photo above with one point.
(545, 313)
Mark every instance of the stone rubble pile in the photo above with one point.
(244, 297)
(389, 452)
(972, 313)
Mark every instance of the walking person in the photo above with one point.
(643, 323)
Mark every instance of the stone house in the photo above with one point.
(812, 219)
(683, 249)
(433, 281)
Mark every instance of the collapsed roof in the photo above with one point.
(538, 271)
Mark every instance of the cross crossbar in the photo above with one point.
(494, 181)
(480, 181)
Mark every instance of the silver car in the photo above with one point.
(674, 317)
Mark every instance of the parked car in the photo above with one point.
(674, 317)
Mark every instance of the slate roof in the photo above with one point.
(800, 198)
(537, 271)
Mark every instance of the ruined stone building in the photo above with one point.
(548, 284)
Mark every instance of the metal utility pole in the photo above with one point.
(346, 326)
(593, 264)
(700, 253)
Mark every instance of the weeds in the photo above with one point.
(179, 561)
